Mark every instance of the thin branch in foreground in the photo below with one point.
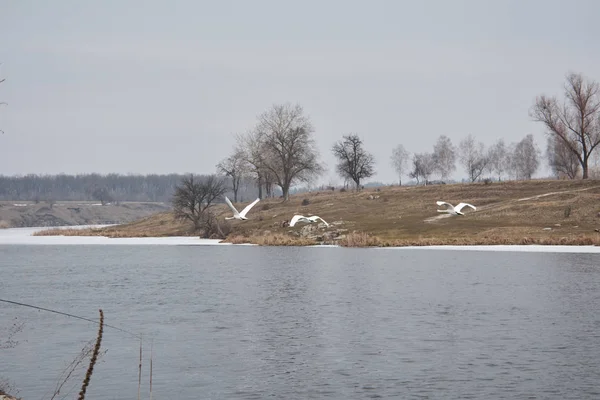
(88, 374)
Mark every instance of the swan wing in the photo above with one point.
(295, 219)
(314, 218)
(325, 222)
(460, 206)
(235, 212)
(248, 207)
(443, 203)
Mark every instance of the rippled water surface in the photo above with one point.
(231, 322)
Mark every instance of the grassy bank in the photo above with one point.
(527, 212)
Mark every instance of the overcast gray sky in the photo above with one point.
(163, 86)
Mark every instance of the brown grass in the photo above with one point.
(4, 224)
(360, 239)
(364, 240)
(276, 239)
(507, 213)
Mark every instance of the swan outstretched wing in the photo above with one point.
(460, 206)
(443, 203)
(248, 207)
(295, 219)
(235, 212)
(314, 218)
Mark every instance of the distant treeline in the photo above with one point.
(97, 187)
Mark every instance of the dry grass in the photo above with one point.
(364, 240)
(360, 239)
(159, 225)
(277, 239)
(507, 213)
(4, 224)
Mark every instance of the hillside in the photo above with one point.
(26, 214)
(565, 212)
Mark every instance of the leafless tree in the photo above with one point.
(561, 159)
(250, 147)
(354, 162)
(423, 167)
(235, 167)
(291, 153)
(577, 121)
(444, 157)
(194, 197)
(472, 157)
(1, 102)
(102, 194)
(498, 159)
(526, 158)
(399, 161)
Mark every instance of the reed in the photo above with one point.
(88, 374)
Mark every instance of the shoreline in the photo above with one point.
(23, 236)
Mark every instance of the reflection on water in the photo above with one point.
(233, 322)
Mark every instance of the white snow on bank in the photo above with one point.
(24, 236)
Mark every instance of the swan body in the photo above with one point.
(452, 209)
(308, 220)
(240, 215)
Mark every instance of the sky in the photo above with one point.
(164, 86)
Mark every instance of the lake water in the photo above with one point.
(247, 322)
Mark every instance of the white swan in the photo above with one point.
(454, 210)
(309, 220)
(240, 215)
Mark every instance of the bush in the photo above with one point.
(305, 202)
(266, 207)
(342, 189)
(567, 211)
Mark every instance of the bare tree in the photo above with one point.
(526, 159)
(444, 157)
(235, 167)
(1, 102)
(577, 121)
(291, 154)
(194, 197)
(354, 162)
(423, 167)
(102, 194)
(561, 159)
(472, 157)
(399, 161)
(497, 158)
(252, 150)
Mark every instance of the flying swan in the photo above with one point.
(240, 215)
(453, 210)
(309, 220)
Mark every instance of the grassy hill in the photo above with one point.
(538, 211)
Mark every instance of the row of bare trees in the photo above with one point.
(573, 136)
(519, 160)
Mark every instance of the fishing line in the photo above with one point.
(68, 315)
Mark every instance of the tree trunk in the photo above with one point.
(584, 168)
(286, 192)
(259, 182)
(236, 187)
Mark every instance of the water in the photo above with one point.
(232, 322)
